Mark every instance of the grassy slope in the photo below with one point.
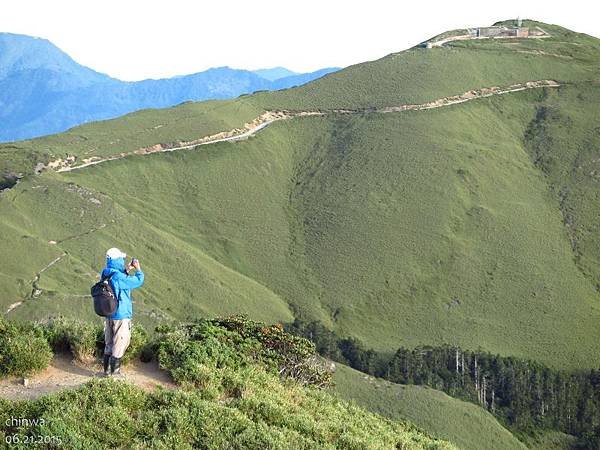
(465, 425)
(271, 415)
(412, 76)
(130, 132)
(419, 227)
(563, 140)
(418, 75)
(183, 275)
(436, 227)
(403, 228)
(550, 440)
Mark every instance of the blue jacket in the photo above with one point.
(122, 285)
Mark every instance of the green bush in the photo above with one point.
(86, 341)
(149, 351)
(191, 351)
(291, 356)
(23, 349)
(270, 414)
(242, 403)
(82, 339)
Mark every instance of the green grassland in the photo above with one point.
(465, 425)
(76, 223)
(563, 140)
(470, 225)
(271, 416)
(550, 440)
(423, 227)
(144, 128)
(419, 75)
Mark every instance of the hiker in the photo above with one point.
(117, 327)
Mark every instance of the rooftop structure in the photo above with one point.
(493, 32)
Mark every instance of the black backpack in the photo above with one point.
(105, 300)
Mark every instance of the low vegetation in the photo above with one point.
(472, 225)
(350, 242)
(23, 349)
(241, 388)
(194, 351)
(79, 338)
(85, 340)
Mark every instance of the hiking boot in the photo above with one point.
(115, 368)
(106, 365)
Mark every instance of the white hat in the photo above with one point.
(115, 253)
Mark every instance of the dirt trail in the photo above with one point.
(268, 117)
(13, 306)
(35, 287)
(64, 373)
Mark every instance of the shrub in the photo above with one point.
(85, 341)
(82, 339)
(187, 350)
(138, 345)
(243, 402)
(292, 356)
(271, 415)
(192, 353)
(149, 351)
(23, 349)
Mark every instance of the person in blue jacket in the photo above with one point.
(117, 328)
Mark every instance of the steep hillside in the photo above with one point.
(418, 75)
(391, 228)
(444, 225)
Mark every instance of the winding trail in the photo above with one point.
(36, 291)
(268, 117)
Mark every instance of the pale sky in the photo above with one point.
(134, 39)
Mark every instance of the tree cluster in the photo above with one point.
(523, 394)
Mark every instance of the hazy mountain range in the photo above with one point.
(43, 90)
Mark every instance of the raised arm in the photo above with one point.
(132, 281)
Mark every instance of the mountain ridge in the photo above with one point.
(43, 90)
(275, 73)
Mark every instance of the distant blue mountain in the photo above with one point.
(274, 73)
(44, 91)
(301, 78)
